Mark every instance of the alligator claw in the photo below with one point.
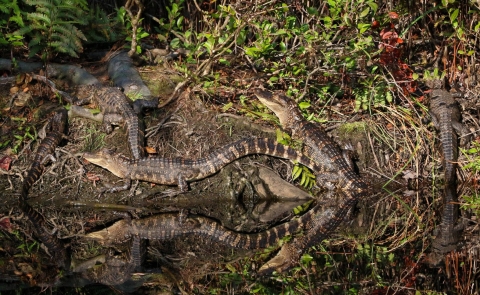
(283, 261)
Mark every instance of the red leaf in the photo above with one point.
(5, 163)
(92, 176)
(393, 15)
(5, 223)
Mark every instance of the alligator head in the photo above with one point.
(106, 158)
(119, 232)
(284, 107)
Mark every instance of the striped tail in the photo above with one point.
(221, 157)
(136, 136)
(47, 147)
(263, 239)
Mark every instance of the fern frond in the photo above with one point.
(42, 3)
(70, 31)
(17, 19)
(65, 44)
(60, 47)
(23, 31)
(53, 25)
(35, 49)
(36, 40)
(39, 17)
(5, 6)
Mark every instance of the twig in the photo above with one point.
(63, 94)
(176, 92)
(153, 130)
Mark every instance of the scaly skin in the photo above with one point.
(333, 166)
(55, 133)
(446, 118)
(116, 110)
(168, 226)
(180, 171)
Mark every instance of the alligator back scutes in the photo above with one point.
(115, 107)
(445, 115)
(168, 170)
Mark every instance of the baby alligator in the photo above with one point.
(333, 166)
(55, 132)
(446, 118)
(169, 225)
(179, 171)
(116, 110)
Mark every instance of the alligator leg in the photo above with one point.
(126, 186)
(110, 119)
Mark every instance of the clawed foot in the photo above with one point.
(283, 261)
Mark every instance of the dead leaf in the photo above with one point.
(150, 150)
(93, 177)
(408, 174)
(5, 163)
(393, 15)
(14, 90)
(5, 224)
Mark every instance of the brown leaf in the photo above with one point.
(150, 150)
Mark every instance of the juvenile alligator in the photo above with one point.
(446, 117)
(170, 225)
(333, 166)
(179, 171)
(55, 132)
(116, 110)
(117, 270)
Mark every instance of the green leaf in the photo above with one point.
(297, 170)
(373, 6)
(227, 106)
(454, 15)
(230, 268)
(304, 105)
(306, 259)
(312, 11)
(365, 12)
(363, 27)
(280, 32)
(302, 181)
(180, 21)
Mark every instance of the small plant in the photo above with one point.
(307, 178)
(100, 26)
(126, 18)
(10, 15)
(174, 25)
(29, 248)
(23, 133)
(52, 27)
(473, 164)
(94, 140)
